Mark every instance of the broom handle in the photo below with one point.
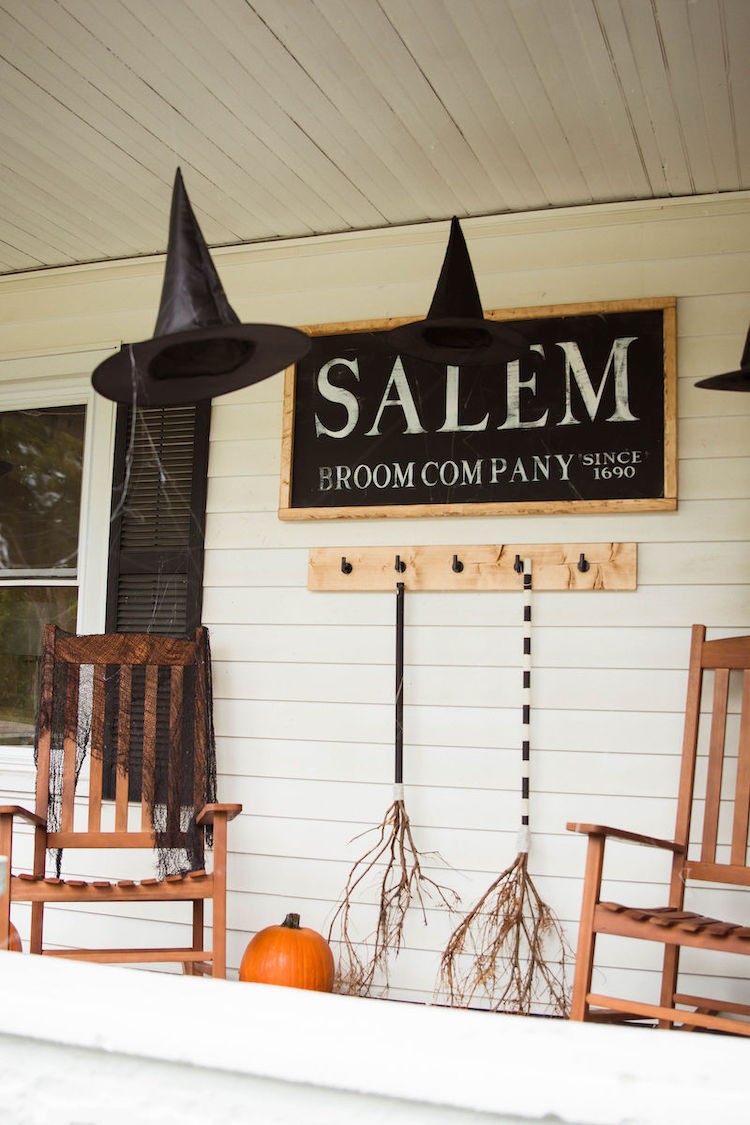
(524, 831)
(399, 765)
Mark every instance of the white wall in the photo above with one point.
(303, 681)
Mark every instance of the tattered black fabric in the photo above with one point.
(152, 730)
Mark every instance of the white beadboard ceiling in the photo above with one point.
(299, 117)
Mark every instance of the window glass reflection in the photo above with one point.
(24, 611)
(41, 460)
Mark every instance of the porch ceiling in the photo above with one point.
(299, 117)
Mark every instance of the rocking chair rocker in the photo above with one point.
(138, 707)
(721, 858)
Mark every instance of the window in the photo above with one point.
(41, 471)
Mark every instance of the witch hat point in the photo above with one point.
(455, 330)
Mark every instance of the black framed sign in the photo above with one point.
(585, 420)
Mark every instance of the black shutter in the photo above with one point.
(155, 580)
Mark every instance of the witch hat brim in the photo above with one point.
(738, 380)
(199, 348)
(455, 330)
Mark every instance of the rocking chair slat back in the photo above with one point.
(715, 765)
(124, 722)
(742, 799)
(149, 748)
(175, 749)
(44, 730)
(125, 700)
(69, 753)
(97, 741)
(200, 750)
(725, 794)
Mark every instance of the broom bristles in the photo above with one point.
(402, 883)
(500, 949)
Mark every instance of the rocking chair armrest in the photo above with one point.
(628, 837)
(19, 810)
(209, 812)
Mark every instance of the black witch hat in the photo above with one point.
(5, 467)
(199, 348)
(738, 380)
(455, 330)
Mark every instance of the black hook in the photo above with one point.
(399, 565)
(457, 566)
(346, 567)
(583, 563)
(518, 565)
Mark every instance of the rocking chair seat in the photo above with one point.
(668, 925)
(47, 888)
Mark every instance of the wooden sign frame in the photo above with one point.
(606, 456)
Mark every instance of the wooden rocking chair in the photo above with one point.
(725, 800)
(138, 708)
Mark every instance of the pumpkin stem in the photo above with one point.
(291, 922)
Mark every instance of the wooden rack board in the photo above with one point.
(555, 566)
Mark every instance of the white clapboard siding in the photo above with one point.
(433, 684)
(462, 850)
(486, 645)
(304, 681)
(113, 929)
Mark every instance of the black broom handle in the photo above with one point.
(399, 684)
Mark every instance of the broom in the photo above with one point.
(501, 947)
(395, 862)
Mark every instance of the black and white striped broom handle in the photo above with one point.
(398, 789)
(524, 831)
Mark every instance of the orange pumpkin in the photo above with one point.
(14, 941)
(290, 955)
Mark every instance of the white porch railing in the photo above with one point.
(98, 1044)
